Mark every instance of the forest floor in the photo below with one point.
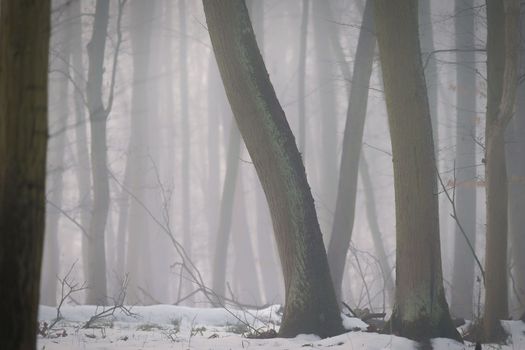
(176, 327)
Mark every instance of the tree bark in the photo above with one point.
(461, 303)
(420, 310)
(96, 276)
(352, 141)
(502, 64)
(310, 305)
(24, 48)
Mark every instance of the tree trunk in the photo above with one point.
(327, 107)
(352, 140)
(186, 141)
(220, 261)
(24, 49)
(81, 143)
(301, 85)
(502, 62)
(310, 306)
(461, 304)
(96, 276)
(138, 263)
(375, 232)
(516, 167)
(58, 90)
(420, 310)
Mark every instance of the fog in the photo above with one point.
(176, 213)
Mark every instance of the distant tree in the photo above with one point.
(352, 140)
(502, 64)
(461, 303)
(515, 147)
(420, 310)
(98, 115)
(310, 305)
(24, 48)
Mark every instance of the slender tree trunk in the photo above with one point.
(24, 48)
(310, 306)
(421, 310)
(502, 53)
(328, 110)
(245, 273)
(375, 232)
(83, 173)
(185, 130)
(58, 89)
(461, 304)
(220, 261)
(301, 85)
(516, 166)
(96, 277)
(138, 263)
(352, 140)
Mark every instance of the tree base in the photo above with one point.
(295, 323)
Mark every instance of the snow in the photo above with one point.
(177, 327)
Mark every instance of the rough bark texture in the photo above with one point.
(420, 310)
(352, 141)
(96, 269)
(461, 303)
(310, 305)
(502, 78)
(24, 44)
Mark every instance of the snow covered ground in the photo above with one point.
(177, 327)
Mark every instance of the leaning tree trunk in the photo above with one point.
(420, 310)
(461, 303)
(352, 140)
(502, 63)
(516, 166)
(310, 305)
(96, 269)
(24, 47)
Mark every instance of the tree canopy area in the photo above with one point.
(219, 173)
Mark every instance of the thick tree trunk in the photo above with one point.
(352, 140)
(96, 269)
(516, 167)
(24, 48)
(461, 303)
(220, 261)
(502, 53)
(138, 264)
(310, 305)
(420, 310)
